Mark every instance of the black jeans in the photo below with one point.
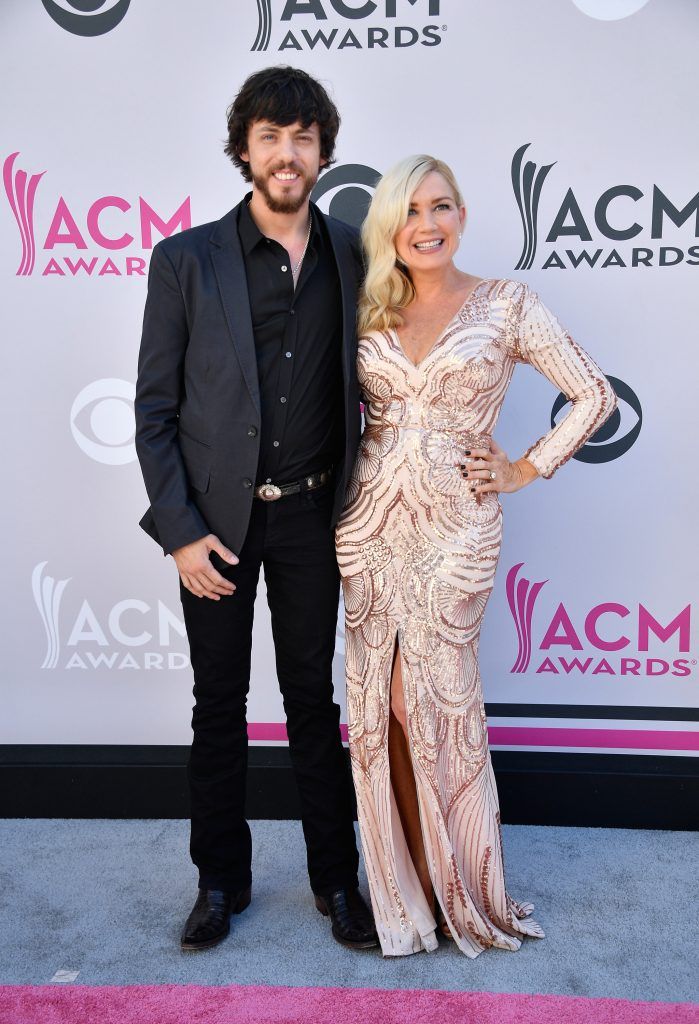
(293, 540)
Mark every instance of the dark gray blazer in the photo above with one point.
(197, 395)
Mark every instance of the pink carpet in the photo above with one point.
(192, 1004)
(542, 736)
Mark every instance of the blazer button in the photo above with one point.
(252, 431)
(247, 482)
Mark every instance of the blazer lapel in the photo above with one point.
(346, 267)
(227, 258)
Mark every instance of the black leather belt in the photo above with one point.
(272, 492)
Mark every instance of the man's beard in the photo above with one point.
(290, 204)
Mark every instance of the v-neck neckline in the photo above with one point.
(441, 334)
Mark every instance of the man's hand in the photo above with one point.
(196, 571)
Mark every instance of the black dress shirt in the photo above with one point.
(298, 341)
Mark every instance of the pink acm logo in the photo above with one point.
(601, 634)
(110, 249)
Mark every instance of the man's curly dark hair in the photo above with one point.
(281, 95)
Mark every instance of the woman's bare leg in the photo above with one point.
(403, 779)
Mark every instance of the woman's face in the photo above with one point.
(430, 236)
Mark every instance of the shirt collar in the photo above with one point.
(250, 234)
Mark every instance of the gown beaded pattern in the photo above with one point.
(417, 555)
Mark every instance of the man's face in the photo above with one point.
(284, 163)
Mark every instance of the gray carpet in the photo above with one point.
(107, 899)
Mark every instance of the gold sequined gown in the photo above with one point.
(417, 554)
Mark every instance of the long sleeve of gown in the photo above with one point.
(542, 342)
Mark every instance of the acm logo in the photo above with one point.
(609, 639)
(608, 222)
(129, 634)
(99, 226)
(338, 25)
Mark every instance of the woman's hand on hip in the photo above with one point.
(489, 469)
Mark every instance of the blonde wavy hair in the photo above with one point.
(387, 286)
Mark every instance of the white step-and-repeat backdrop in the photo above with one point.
(571, 125)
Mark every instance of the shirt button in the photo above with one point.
(275, 443)
(247, 482)
(252, 431)
(288, 355)
(292, 312)
(285, 268)
(282, 400)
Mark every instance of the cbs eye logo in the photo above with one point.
(87, 17)
(604, 446)
(348, 190)
(102, 421)
(610, 10)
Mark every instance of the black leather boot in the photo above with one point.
(352, 921)
(210, 920)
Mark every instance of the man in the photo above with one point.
(247, 412)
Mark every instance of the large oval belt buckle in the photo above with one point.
(270, 492)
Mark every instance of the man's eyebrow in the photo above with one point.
(269, 126)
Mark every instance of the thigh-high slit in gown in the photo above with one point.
(417, 554)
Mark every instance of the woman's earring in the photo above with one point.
(460, 236)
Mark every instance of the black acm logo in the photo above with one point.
(604, 233)
(527, 182)
(376, 25)
(604, 445)
(87, 17)
(264, 25)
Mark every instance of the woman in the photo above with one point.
(418, 545)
